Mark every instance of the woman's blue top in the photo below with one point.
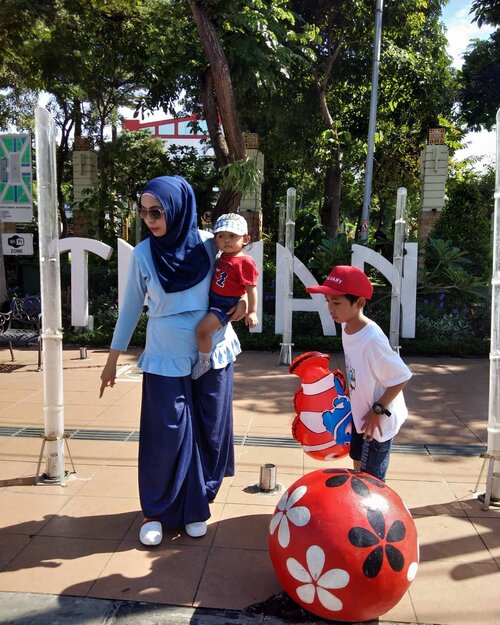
(171, 347)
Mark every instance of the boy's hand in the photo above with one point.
(371, 423)
(251, 320)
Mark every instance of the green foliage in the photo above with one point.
(486, 12)
(241, 176)
(445, 271)
(309, 234)
(329, 253)
(466, 218)
(454, 327)
(480, 83)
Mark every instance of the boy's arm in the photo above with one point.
(373, 421)
(251, 318)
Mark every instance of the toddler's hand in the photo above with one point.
(251, 320)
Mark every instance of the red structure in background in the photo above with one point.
(179, 128)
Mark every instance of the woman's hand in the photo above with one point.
(108, 375)
(239, 311)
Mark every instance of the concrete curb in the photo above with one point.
(34, 609)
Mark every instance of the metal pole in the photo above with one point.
(493, 480)
(365, 219)
(48, 225)
(3, 281)
(399, 234)
(286, 346)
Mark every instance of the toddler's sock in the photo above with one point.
(202, 366)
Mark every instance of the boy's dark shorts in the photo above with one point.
(220, 304)
(378, 454)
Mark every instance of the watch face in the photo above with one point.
(377, 409)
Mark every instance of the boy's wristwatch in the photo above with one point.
(378, 408)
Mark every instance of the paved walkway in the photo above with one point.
(65, 550)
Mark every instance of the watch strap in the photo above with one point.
(379, 408)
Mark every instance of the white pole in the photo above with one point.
(365, 219)
(399, 233)
(48, 225)
(281, 224)
(493, 484)
(286, 346)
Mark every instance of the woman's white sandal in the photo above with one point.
(197, 529)
(151, 533)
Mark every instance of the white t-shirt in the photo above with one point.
(371, 366)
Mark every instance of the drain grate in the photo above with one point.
(5, 368)
(246, 441)
(101, 435)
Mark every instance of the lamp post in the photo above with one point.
(492, 495)
(48, 225)
(365, 219)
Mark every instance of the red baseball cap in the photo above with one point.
(344, 280)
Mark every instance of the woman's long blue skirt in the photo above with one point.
(186, 444)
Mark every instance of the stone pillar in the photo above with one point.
(85, 221)
(433, 172)
(250, 204)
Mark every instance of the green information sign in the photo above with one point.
(16, 194)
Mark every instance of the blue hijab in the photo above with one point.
(179, 256)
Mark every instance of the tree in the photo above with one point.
(479, 94)
(485, 12)
(75, 53)
(314, 127)
(219, 104)
(466, 217)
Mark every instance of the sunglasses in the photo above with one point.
(154, 213)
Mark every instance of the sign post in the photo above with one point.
(17, 244)
(16, 195)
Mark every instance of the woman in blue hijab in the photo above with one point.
(186, 430)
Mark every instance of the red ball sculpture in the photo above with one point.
(323, 420)
(343, 545)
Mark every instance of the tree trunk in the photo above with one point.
(62, 156)
(219, 104)
(222, 81)
(330, 210)
(227, 202)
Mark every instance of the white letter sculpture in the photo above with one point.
(360, 256)
(79, 247)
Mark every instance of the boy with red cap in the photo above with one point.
(375, 372)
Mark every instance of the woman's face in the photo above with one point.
(153, 214)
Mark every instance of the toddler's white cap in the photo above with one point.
(231, 222)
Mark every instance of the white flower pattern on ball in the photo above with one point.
(298, 515)
(315, 581)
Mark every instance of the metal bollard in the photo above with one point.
(83, 353)
(267, 481)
